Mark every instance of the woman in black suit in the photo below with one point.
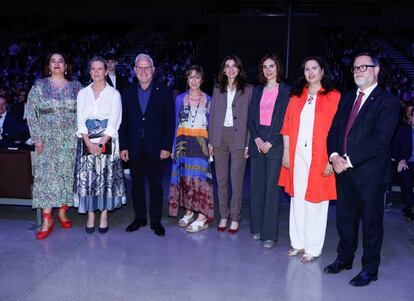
(266, 114)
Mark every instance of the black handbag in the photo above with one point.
(106, 149)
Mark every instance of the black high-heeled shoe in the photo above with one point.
(406, 209)
(103, 230)
(89, 230)
(410, 215)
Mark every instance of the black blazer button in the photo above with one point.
(234, 117)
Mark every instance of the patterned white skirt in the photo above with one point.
(99, 180)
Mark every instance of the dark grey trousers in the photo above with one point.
(264, 196)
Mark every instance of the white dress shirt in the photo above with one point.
(367, 93)
(113, 79)
(2, 118)
(107, 106)
(228, 119)
(307, 119)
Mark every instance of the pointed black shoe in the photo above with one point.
(135, 225)
(337, 266)
(158, 229)
(410, 214)
(103, 230)
(364, 278)
(89, 230)
(406, 209)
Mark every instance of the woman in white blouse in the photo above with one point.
(99, 178)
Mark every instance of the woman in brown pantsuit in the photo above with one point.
(228, 137)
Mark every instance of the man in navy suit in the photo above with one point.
(146, 136)
(359, 144)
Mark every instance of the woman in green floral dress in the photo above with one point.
(51, 116)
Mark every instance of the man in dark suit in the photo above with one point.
(114, 79)
(359, 144)
(146, 136)
(14, 132)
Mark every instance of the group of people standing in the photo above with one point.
(317, 144)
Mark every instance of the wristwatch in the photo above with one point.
(100, 145)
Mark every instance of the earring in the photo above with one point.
(66, 73)
(50, 73)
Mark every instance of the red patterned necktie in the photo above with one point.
(352, 116)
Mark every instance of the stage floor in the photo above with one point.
(72, 265)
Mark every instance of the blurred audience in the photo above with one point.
(14, 132)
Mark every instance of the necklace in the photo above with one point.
(193, 116)
(311, 97)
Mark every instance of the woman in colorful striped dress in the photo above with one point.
(191, 184)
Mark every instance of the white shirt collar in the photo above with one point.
(368, 90)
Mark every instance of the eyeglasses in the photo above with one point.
(146, 68)
(361, 68)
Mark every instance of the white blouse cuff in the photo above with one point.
(110, 132)
(82, 130)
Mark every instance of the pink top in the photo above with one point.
(267, 104)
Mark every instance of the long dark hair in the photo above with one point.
(240, 80)
(326, 81)
(279, 68)
(68, 71)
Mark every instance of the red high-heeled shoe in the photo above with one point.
(43, 234)
(233, 230)
(67, 223)
(222, 228)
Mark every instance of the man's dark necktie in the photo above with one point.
(352, 117)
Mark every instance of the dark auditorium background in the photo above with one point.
(73, 265)
(292, 29)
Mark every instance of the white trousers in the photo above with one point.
(307, 221)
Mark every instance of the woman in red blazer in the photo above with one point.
(307, 174)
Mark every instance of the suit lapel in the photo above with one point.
(109, 81)
(236, 96)
(258, 99)
(135, 99)
(153, 95)
(222, 106)
(278, 104)
(349, 103)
